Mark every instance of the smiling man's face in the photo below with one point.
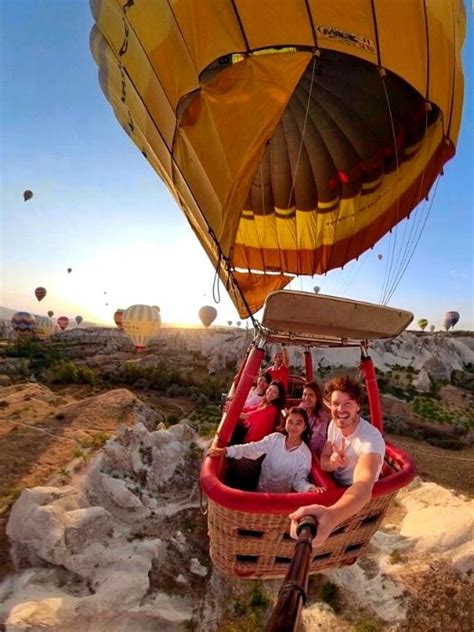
(344, 412)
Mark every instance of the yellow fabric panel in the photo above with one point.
(130, 110)
(137, 67)
(256, 288)
(352, 215)
(255, 91)
(404, 22)
(159, 34)
(446, 25)
(154, 25)
(345, 26)
(268, 23)
(210, 29)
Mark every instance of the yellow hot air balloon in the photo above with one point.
(207, 315)
(422, 323)
(293, 134)
(141, 323)
(44, 327)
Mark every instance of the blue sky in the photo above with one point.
(100, 209)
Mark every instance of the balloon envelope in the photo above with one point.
(141, 323)
(69, 270)
(207, 315)
(450, 319)
(50, 313)
(422, 323)
(78, 320)
(380, 257)
(432, 328)
(27, 195)
(287, 162)
(40, 293)
(23, 323)
(44, 327)
(316, 289)
(118, 318)
(63, 322)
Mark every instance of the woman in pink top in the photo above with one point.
(312, 402)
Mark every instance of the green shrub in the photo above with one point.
(64, 371)
(86, 375)
(330, 595)
(172, 419)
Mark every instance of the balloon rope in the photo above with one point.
(392, 245)
(300, 149)
(416, 243)
(414, 229)
(216, 290)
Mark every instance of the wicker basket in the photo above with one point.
(250, 545)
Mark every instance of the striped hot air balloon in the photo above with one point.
(422, 323)
(141, 323)
(44, 327)
(293, 134)
(23, 324)
(118, 318)
(63, 322)
(40, 293)
(450, 319)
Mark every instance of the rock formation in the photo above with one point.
(123, 546)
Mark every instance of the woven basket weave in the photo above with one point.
(252, 545)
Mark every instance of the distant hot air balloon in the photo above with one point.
(141, 323)
(78, 320)
(23, 324)
(69, 270)
(450, 319)
(118, 318)
(40, 293)
(229, 322)
(422, 323)
(50, 313)
(207, 315)
(238, 323)
(316, 289)
(44, 327)
(432, 328)
(380, 257)
(27, 195)
(63, 322)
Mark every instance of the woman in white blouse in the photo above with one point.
(287, 462)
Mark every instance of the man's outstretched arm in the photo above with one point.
(351, 502)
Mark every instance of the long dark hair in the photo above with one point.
(297, 410)
(314, 386)
(280, 401)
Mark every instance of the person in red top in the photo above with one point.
(259, 421)
(280, 371)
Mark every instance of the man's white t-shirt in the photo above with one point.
(366, 439)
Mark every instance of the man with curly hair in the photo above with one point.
(354, 453)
